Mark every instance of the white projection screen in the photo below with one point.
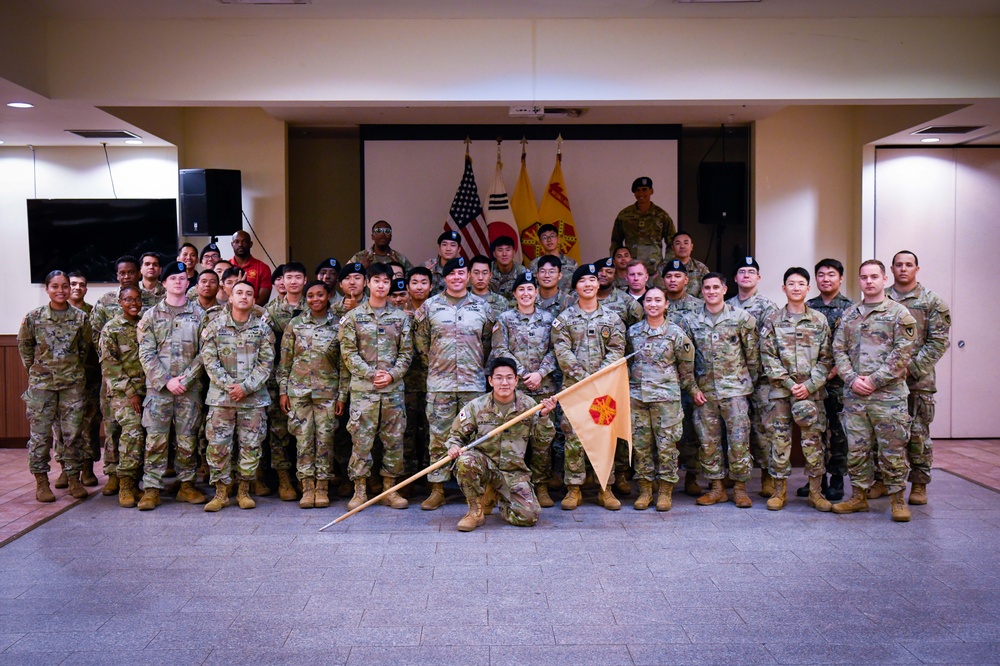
(411, 183)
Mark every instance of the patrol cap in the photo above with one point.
(547, 227)
(173, 268)
(502, 241)
(748, 262)
(582, 271)
(457, 262)
(642, 181)
(398, 285)
(606, 262)
(351, 269)
(450, 236)
(527, 277)
(329, 262)
(674, 266)
(211, 247)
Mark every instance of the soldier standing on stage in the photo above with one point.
(644, 228)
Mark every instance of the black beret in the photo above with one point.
(584, 270)
(641, 181)
(674, 266)
(351, 269)
(173, 268)
(398, 285)
(457, 262)
(329, 262)
(527, 277)
(450, 236)
(606, 262)
(748, 262)
(211, 247)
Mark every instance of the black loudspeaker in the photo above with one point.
(722, 193)
(211, 202)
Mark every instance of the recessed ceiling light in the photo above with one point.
(20, 105)
(1, 142)
(134, 142)
(929, 140)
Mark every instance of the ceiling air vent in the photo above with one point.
(104, 134)
(949, 129)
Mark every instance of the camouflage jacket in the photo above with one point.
(368, 256)
(663, 364)
(623, 305)
(310, 358)
(437, 278)
(496, 301)
(168, 347)
(760, 307)
(527, 339)
(503, 283)
(370, 342)
(54, 345)
(569, 265)
(726, 354)
(339, 309)
(878, 345)
(933, 328)
(119, 350)
(555, 304)
(151, 297)
(585, 342)
(833, 312)
(507, 450)
(620, 283)
(696, 272)
(453, 336)
(415, 379)
(677, 310)
(235, 353)
(279, 313)
(796, 352)
(644, 233)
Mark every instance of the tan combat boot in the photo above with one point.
(858, 502)
(393, 500)
(691, 486)
(76, 489)
(322, 497)
(542, 493)
(900, 512)
(42, 491)
(260, 487)
(767, 484)
(286, 489)
(243, 496)
(877, 490)
(111, 487)
(622, 484)
(645, 496)
(61, 482)
(779, 497)
(87, 476)
(150, 499)
(360, 493)
(126, 493)
(918, 494)
(573, 498)
(664, 497)
(188, 493)
(716, 494)
(816, 498)
(606, 498)
(308, 500)
(436, 499)
(740, 496)
(488, 500)
(220, 501)
(474, 518)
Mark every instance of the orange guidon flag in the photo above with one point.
(554, 209)
(598, 409)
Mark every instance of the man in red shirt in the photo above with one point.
(257, 272)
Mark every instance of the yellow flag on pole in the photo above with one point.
(598, 408)
(522, 204)
(554, 209)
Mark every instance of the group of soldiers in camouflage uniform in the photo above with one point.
(423, 360)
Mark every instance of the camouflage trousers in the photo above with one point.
(382, 415)
(777, 419)
(475, 472)
(248, 427)
(279, 439)
(760, 444)
(689, 447)
(183, 412)
(708, 422)
(132, 443)
(43, 409)
(656, 429)
(442, 408)
(313, 423)
(877, 428)
(920, 447)
(112, 431)
(836, 440)
(540, 458)
(90, 431)
(415, 435)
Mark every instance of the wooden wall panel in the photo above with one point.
(13, 422)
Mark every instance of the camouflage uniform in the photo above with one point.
(696, 272)
(584, 342)
(689, 447)
(371, 341)
(168, 348)
(437, 278)
(151, 297)
(527, 340)
(933, 319)
(242, 354)
(795, 350)
(53, 345)
(644, 234)
(415, 436)
(368, 256)
(556, 304)
(309, 374)
(453, 337)
(833, 404)
(725, 364)
(496, 301)
(663, 366)
(499, 461)
(623, 305)
(503, 283)
(569, 264)
(119, 350)
(279, 313)
(876, 341)
(90, 431)
(760, 307)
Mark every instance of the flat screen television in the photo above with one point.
(87, 235)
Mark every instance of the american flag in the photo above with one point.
(466, 216)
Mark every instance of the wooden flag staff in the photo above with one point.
(492, 433)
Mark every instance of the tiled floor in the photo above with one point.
(100, 584)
